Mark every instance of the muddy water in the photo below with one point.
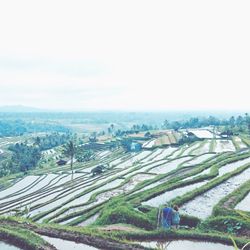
(206, 171)
(224, 146)
(111, 193)
(191, 147)
(202, 206)
(5, 246)
(153, 155)
(80, 200)
(134, 159)
(169, 195)
(165, 153)
(89, 221)
(186, 245)
(22, 184)
(166, 168)
(202, 133)
(240, 143)
(203, 149)
(198, 160)
(244, 204)
(45, 181)
(67, 245)
(233, 166)
(176, 153)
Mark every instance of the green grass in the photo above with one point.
(176, 182)
(225, 224)
(119, 211)
(21, 237)
(246, 139)
(190, 195)
(224, 207)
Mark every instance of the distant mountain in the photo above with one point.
(20, 109)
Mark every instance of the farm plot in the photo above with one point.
(165, 179)
(20, 186)
(203, 133)
(169, 166)
(155, 153)
(202, 205)
(84, 198)
(45, 181)
(106, 195)
(149, 144)
(6, 246)
(64, 196)
(189, 150)
(203, 149)
(39, 198)
(78, 203)
(65, 244)
(232, 166)
(134, 159)
(239, 143)
(185, 244)
(198, 160)
(165, 153)
(166, 138)
(244, 205)
(162, 141)
(169, 195)
(224, 146)
(56, 198)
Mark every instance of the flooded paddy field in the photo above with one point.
(244, 205)
(150, 178)
(66, 245)
(52, 193)
(202, 205)
(186, 244)
(5, 246)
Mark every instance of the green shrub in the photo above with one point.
(231, 225)
(189, 221)
(118, 211)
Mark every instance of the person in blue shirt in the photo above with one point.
(167, 214)
(175, 217)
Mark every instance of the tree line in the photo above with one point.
(240, 123)
(26, 155)
(20, 127)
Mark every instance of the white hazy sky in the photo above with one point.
(125, 54)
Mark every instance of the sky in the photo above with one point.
(128, 55)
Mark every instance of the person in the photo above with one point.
(175, 217)
(167, 214)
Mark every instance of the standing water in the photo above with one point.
(66, 245)
(5, 246)
(186, 245)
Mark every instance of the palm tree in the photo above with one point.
(69, 150)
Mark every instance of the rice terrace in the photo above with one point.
(124, 125)
(109, 190)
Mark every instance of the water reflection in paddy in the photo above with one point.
(66, 245)
(186, 245)
(5, 246)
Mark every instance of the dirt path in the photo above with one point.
(123, 228)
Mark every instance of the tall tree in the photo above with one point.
(166, 124)
(69, 150)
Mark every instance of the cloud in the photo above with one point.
(125, 55)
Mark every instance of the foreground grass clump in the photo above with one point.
(118, 211)
(227, 224)
(21, 237)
